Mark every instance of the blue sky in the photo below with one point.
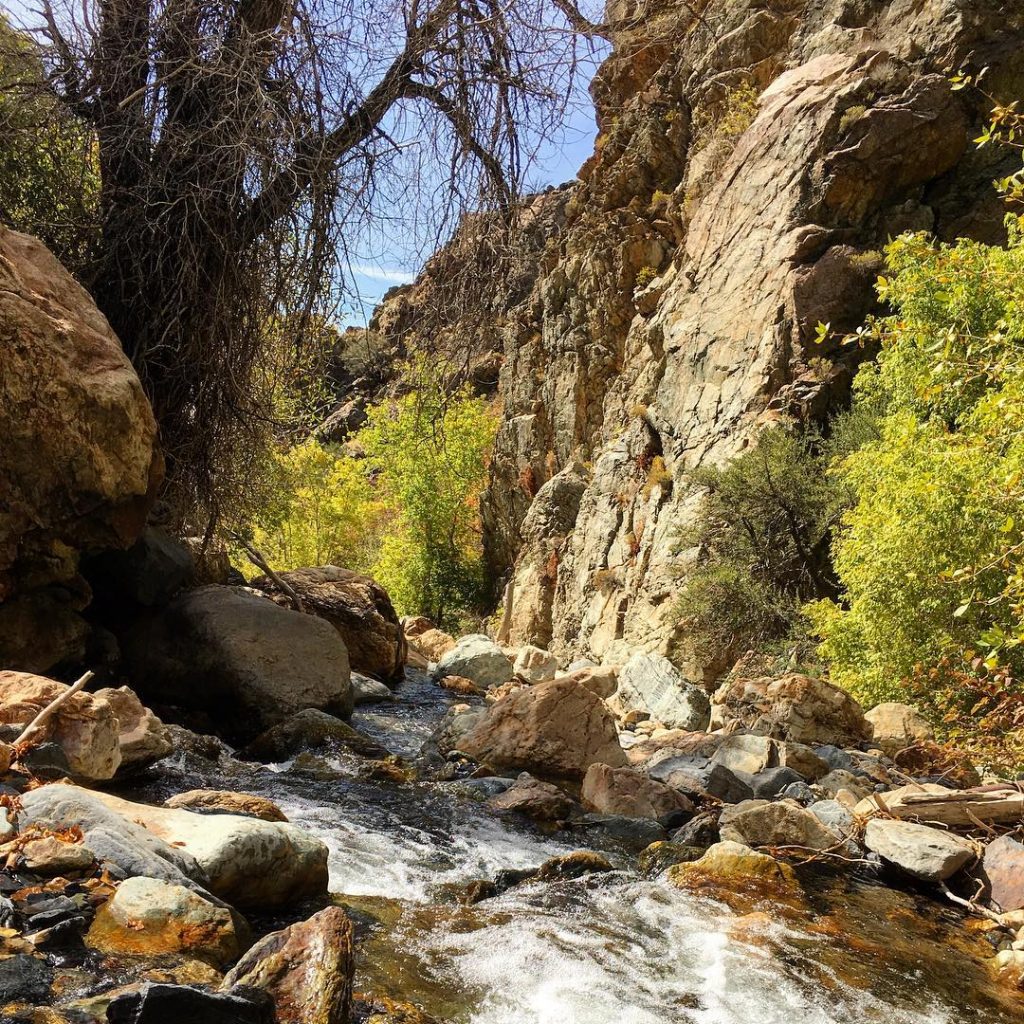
(382, 265)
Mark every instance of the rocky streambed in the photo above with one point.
(450, 919)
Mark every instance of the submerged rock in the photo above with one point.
(307, 969)
(309, 730)
(558, 728)
(477, 658)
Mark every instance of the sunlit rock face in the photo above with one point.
(669, 301)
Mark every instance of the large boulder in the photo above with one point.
(358, 608)
(245, 861)
(79, 466)
(121, 842)
(149, 573)
(558, 728)
(432, 644)
(896, 726)
(535, 665)
(85, 726)
(241, 658)
(478, 658)
(794, 707)
(632, 794)
(651, 683)
(150, 917)
(924, 852)
(307, 969)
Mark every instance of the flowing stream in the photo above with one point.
(605, 949)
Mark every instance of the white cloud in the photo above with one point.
(393, 275)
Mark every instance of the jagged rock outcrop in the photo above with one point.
(79, 465)
(676, 287)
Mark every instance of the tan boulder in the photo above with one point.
(360, 610)
(897, 726)
(602, 679)
(217, 801)
(433, 644)
(142, 737)
(150, 917)
(535, 665)
(78, 462)
(307, 969)
(50, 856)
(558, 728)
(630, 793)
(794, 707)
(86, 726)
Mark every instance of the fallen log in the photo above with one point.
(1000, 804)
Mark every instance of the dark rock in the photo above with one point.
(149, 573)
(836, 758)
(771, 782)
(185, 1004)
(573, 865)
(24, 978)
(309, 730)
(47, 761)
(711, 779)
(702, 831)
(635, 833)
(659, 857)
(800, 792)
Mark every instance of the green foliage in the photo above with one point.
(49, 178)
(428, 451)
(320, 510)
(644, 276)
(929, 551)
(762, 533)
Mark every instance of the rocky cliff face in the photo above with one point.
(752, 160)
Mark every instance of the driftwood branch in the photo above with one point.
(968, 905)
(260, 562)
(51, 709)
(983, 805)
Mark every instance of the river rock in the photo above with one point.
(150, 917)
(50, 856)
(533, 798)
(635, 833)
(558, 728)
(120, 841)
(835, 817)
(772, 781)
(650, 682)
(781, 824)
(85, 727)
(307, 970)
(700, 831)
(838, 780)
(79, 463)
(749, 754)
(24, 978)
(803, 760)
(141, 736)
(698, 777)
(245, 861)
(731, 863)
(247, 662)
(924, 852)
(218, 801)
(659, 857)
(369, 691)
(895, 726)
(360, 610)
(433, 644)
(478, 658)
(463, 687)
(1002, 867)
(309, 730)
(630, 793)
(535, 665)
(794, 707)
(156, 1003)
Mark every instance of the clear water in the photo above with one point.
(612, 949)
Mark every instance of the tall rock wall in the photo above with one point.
(675, 291)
